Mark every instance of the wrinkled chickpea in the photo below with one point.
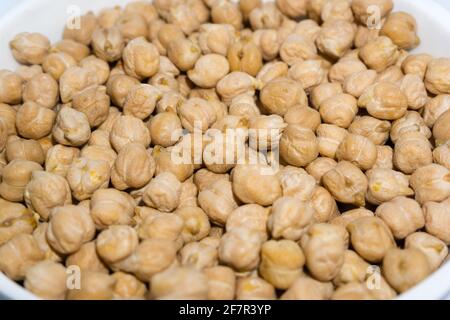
(76, 50)
(384, 101)
(401, 27)
(116, 243)
(163, 192)
(198, 255)
(94, 286)
(87, 259)
(266, 16)
(29, 48)
(15, 177)
(386, 184)
(339, 110)
(42, 89)
(235, 84)
(437, 219)
(441, 155)
(196, 223)
(141, 59)
(412, 151)
(303, 116)
(250, 216)
(218, 201)
(221, 283)
(441, 131)
(47, 279)
(416, 64)
(345, 67)
(10, 88)
(118, 88)
(335, 38)
(33, 121)
(128, 287)
(22, 149)
(59, 158)
(410, 122)
(360, 8)
(254, 288)
(245, 56)
(28, 72)
(298, 145)
(297, 48)
(209, 70)
(309, 73)
(307, 288)
(433, 248)
(158, 225)
(329, 137)
(15, 219)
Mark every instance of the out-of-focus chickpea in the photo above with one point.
(379, 54)
(74, 80)
(434, 249)
(320, 166)
(15, 219)
(18, 255)
(71, 128)
(375, 130)
(158, 225)
(345, 67)
(386, 184)
(281, 263)
(46, 191)
(297, 48)
(356, 83)
(251, 216)
(198, 255)
(437, 219)
(144, 8)
(323, 92)
(29, 48)
(76, 50)
(87, 259)
(265, 131)
(244, 106)
(42, 89)
(116, 243)
(15, 177)
(8, 118)
(180, 283)
(347, 183)
(167, 33)
(99, 139)
(437, 79)
(189, 193)
(303, 116)
(416, 64)
(401, 27)
(196, 223)
(324, 205)
(59, 158)
(22, 149)
(235, 84)
(298, 145)
(47, 279)
(403, 269)
(216, 38)
(118, 88)
(335, 38)
(209, 70)
(371, 238)
(349, 216)
(245, 56)
(441, 155)
(97, 66)
(82, 34)
(28, 72)
(361, 9)
(111, 207)
(410, 122)
(435, 108)
(217, 200)
(352, 291)
(141, 59)
(250, 180)
(403, 216)
(339, 110)
(329, 137)
(221, 283)
(308, 28)
(254, 288)
(113, 115)
(291, 8)
(414, 90)
(246, 6)
(188, 16)
(309, 73)
(412, 151)
(163, 192)
(11, 88)
(354, 269)
(183, 53)
(34, 121)
(441, 129)
(69, 228)
(307, 288)
(324, 264)
(197, 114)
(266, 16)
(170, 102)
(271, 71)
(132, 26)
(269, 42)
(296, 182)
(359, 150)
(56, 63)
(94, 286)
(128, 287)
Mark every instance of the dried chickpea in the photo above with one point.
(266, 16)
(15, 177)
(29, 48)
(339, 110)
(22, 149)
(356, 83)
(141, 100)
(71, 128)
(374, 129)
(82, 34)
(412, 151)
(179, 283)
(245, 56)
(15, 219)
(47, 279)
(218, 202)
(221, 283)
(189, 193)
(441, 155)
(401, 27)
(129, 129)
(303, 116)
(8, 118)
(28, 72)
(298, 146)
(335, 37)
(197, 113)
(128, 287)
(59, 158)
(18, 255)
(297, 48)
(118, 88)
(265, 131)
(329, 137)
(416, 64)
(116, 243)
(371, 238)
(147, 10)
(163, 192)
(354, 269)
(33, 121)
(414, 89)
(75, 79)
(167, 162)
(158, 225)
(359, 150)
(198, 255)
(108, 43)
(435, 108)
(56, 63)
(310, 73)
(250, 216)
(162, 127)
(271, 71)
(437, 219)
(132, 25)
(434, 249)
(362, 12)
(94, 286)
(216, 38)
(292, 9)
(94, 103)
(441, 131)
(87, 259)
(141, 59)
(352, 215)
(41, 89)
(386, 184)
(196, 223)
(410, 122)
(307, 288)
(379, 54)
(209, 70)
(11, 88)
(254, 288)
(344, 68)
(347, 183)
(323, 92)
(436, 77)
(183, 53)
(76, 50)
(296, 182)
(403, 269)
(235, 84)
(320, 166)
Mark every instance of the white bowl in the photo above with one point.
(49, 17)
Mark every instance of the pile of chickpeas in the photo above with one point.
(358, 208)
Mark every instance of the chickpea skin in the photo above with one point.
(339, 110)
(335, 38)
(71, 128)
(379, 54)
(94, 103)
(298, 146)
(436, 78)
(128, 129)
(141, 59)
(42, 89)
(22, 149)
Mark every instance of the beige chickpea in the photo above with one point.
(401, 27)
(324, 264)
(189, 193)
(403, 216)
(94, 286)
(97, 66)
(111, 207)
(372, 128)
(240, 248)
(358, 150)
(245, 56)
(344, 68)
(128, 287)
(335, 38)
(56, 63)
(28, 72)
(412, 151)
(83, 34)
(298, 145)
(100, 139)
(76, 50)
(360, 8)
(271, 71)
(15, 219)
(339, 110)
(163, 192)
(70, 226)
(29, 48)
(10, 87)
(307, 288)
(22, 149)
(386, 184)
(354, 269)
(133, 155)
(33, 121)
(166, 161)
(441, 131)
(384, 101)
(87, 259)
(235, 84)
(416, 64)
(71, 128)
(281, 263)
(132, 26)
(46, 143)
(265, 131)
(47, 279)
(94, 103)
(296, 182)
(141, 100)
(292, 9)
(170, 102)
(3, 138)
(441, 155)
(303, 116)
(59, 158)
(18, 255)
(198, 255)
(414, 90)
(8, 118)
(108, 124)
(308, 28)
(209, 70)
(162, 128)
(324, 204)
(437, 217)
(218, 201)
(188, 16)
(347, 183)
(352, 291)
(141, 59)
(41, 89)
(254, 288)
(356, 83)
(412, 121)
(352, 215)
(269, 43)
(151, 257)
(147, 10)
(436, 107)
(385, 158)
(266, 16)
(46, 191)
(403, 269)
(379, 54)
(196, 223)
(320, 166)
(371, 238)
(179, 283)
(434, 249)
(108, 43)
(197, 112)
(75, 79)
(297, 48)
(216, 38)
(244, 106)
(129, 129)
(250, 216)
(158, 225)
(116, 243)
(329, 137)
(436, 77)
(221, 283)
(183, 53)
(15, 177)
(323, 92)
(118, 88)
(310, 73)
(167, 33)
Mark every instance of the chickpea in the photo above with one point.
(412, 151)
(216, 38)
(379, 54)
(298, 145)
(15, 219)
(217, 200)
(435, 108)
(141, 100)
(47, 279)
(147, 10)
(167, 162)
(434, 249)
(158, 225)
(354, 269)
(356, 83)
(87, 259)
(254, 288)
(170, 102)
(163, 192)
(320, 166)
(373, 129)
(59, 158)
(386, 184)
(189, 193)
(18, 255)
(251, 216)
(339, 110)
(437, 219)
(371, 238)
(94, 286)
(132, 155)
(119, 87)
(441, 132)
(132, 25)
(196, 223)
(266, 16)
(198, 255)
(209, 70)
(128, 129)
(359, 150)
(235, 84)
(265, 131)
(116, 243)
(416, 64)
(128, 287)
(402, 29)
(309, 73)
(292, 9)
(22, 149)
(10, 88)
(8, 118)
(94, 103)
(75, 79)
(296, 182)
(271, 71)
(41, 89)
(441, 155)
(162, 127)
(188, 16)
(15, 177)
(414, 89)
(329, 137)
(108, 43)
(183, 53)
(403, 269)
(203, 178)
(28, 72)
(269, 43)
(221, 283)
(30, 48)
(436, 77)
(245, 56)
(323, 92)
(411, 122)
(344, 68)
(307, 288)
(83, 34)
(76, 50)
(71, 128)
(56, 63)
(303, 116)
(297, 48)
(360, 8)
(197, 112)
(352, 215)
(33, 121)
(335, 37)
(347, 183)
(141, 59)
(178, 283)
